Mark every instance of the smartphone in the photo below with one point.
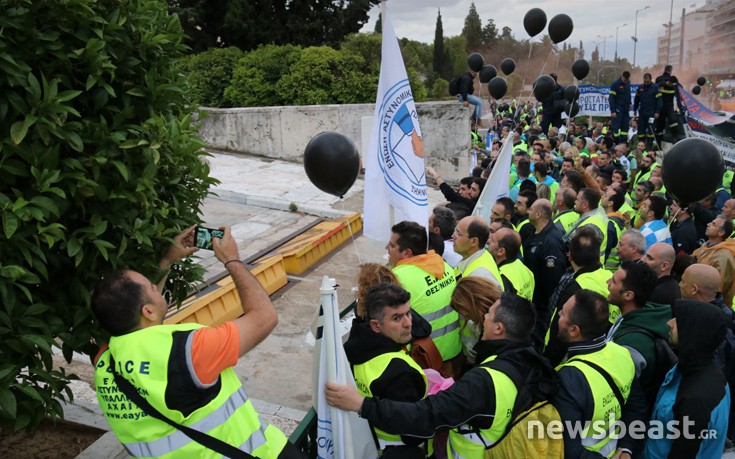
(204, 237)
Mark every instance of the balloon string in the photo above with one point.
(352, 235)
(525, 71)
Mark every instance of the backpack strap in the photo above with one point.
(608, 378)
(425, 353)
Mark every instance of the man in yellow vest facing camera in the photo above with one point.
(184, 372)
(381, 365)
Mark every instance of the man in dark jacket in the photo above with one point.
(464, 196)
(683, 230)
(470, 406)
(381, 366)
(466, 90)
(544, 253)
(648, 105)
(630, 290)
(620, 107)
(660, 258)
(694, 394)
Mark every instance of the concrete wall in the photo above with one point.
(283, 132)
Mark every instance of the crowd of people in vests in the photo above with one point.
(590, 300)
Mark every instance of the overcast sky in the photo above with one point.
(416, 20)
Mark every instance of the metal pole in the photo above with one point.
(635, 32)
(681, 38)
(668, 42)
(617, 28)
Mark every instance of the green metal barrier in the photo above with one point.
(304, 437)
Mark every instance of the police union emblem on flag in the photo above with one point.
(394, 163)
(401, 148)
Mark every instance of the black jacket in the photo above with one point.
(453, 196)
(470, 400)
(399, 381)
(684, 235)
(701, 328)
(666, 291)
(466, 85)
(545, 255)
(702, 216)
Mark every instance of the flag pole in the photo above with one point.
(383, 11)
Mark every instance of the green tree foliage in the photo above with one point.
(211, 73)
(440, 89)
(440, 56)
(457, 48)
(256, 74)
(250, 23)
(489, 34)
(99, 168)
(472, 30)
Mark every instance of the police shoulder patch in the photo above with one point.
(550, 262)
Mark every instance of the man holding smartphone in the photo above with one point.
(183, 371)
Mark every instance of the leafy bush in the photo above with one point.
(210, 74)
(99, 166)
(440, 89)
(256, 74)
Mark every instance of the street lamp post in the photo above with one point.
(616, 39)
(635, 33)
(604, 45)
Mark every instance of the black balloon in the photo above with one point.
(571, 93)
(487, 73)
(497, 87)
(696, 90)
(560, 27)
(508, 65)
(701, 81)
(580, 69)
(534, 21)
(571, 109)
(475, 61)
(331, 162)
(691, 170)
(543, 87)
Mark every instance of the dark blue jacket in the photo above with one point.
(619, 96)
(648, 100)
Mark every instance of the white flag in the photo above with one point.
(339, 434)
(498, 183)
(394, 163)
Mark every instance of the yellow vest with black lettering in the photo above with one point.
(521, 277)
(618, 363)
(565, 220)
(597, 282)
(142, 357)
(483, 261)
(366, 373)
(431, 298)
(466, 443)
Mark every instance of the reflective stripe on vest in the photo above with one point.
(218, 417)
(465, 441)
(430, 297)
(613, 260)
(366, 373)
(618, 363)
(142, 357)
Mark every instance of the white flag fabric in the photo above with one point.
(497, 184)
(394, 163)
(340, 434)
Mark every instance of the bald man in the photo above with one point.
(470, 237)
(660, 258)
(700, 282)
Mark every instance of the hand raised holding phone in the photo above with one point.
(225, 248)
